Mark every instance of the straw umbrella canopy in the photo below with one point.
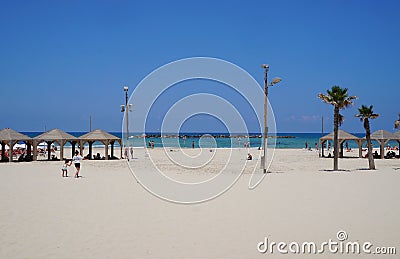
(11, 137)
(342, 136)
(55, 135)
(383, 136)
(102, 136)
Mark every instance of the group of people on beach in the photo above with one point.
(307, 147)
(129, 151)
(151, 144)
(388, 147)
(77, 163)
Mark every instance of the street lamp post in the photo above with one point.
(126, 112)
(265, 130)
(126, 108)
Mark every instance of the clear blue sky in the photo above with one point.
(62, 61)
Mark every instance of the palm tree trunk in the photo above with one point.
(369, 144)
(335, 139)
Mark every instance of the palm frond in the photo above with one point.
(337, 96)
(325, 98)
(359, 116)
(365, 112)
(397, 123)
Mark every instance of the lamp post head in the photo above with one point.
(276, 80)
(265, 66)
(126, 88)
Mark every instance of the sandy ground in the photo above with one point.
(107, 214)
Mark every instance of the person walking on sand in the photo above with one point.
(131, 151)
(126, 153)
(77, 162)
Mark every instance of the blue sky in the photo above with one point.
(62, 61)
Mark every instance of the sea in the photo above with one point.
(222, 140)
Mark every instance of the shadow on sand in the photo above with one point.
(333, 171)
(365, 169)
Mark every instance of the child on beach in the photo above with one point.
(64, 168)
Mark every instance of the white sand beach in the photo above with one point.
(107, 214)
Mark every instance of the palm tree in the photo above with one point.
(339, 98)
(397, 123)
(365, 113)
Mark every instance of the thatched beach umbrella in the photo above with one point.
(342, 136)
(383, 136)
(54, 135)
(11, 137)
(102, 136)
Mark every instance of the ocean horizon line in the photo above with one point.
(221, 139)
(198, 133)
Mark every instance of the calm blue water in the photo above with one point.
(298, 141)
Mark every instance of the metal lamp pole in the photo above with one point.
(126, 112)
(265, 132)
(264, 166)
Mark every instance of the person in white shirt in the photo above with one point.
(77, 162)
